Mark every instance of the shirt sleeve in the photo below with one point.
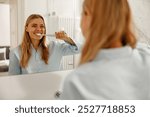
(14, 64)
(68, 49)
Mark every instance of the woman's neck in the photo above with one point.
(35, 43)
(116, 44)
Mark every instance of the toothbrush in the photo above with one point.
(50, 35)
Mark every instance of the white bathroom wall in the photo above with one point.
(35, 6)
(5, 25)
(141, 16)
(62, 7)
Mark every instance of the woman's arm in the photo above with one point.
(14, 64)
(69, 47)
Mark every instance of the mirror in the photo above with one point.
(67, 14)
(57, 14)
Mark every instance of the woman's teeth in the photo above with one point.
(38, 34)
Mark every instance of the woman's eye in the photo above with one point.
(34, 26)
(42, 26)
(38, 26)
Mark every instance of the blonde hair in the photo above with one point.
(26, 44)
(111, 20)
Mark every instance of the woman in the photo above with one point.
(35, 54)
(110, 66)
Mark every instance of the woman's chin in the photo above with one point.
(37, 38)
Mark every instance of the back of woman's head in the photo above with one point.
(110, 22)
(26, 43)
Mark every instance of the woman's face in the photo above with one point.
(35, 28)
(85, 21)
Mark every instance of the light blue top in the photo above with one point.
(121, 73)
(57, 50)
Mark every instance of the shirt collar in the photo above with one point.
(114, 53)
(39, 48)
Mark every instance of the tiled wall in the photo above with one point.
(141, 15)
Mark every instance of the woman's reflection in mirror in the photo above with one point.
(35, 53)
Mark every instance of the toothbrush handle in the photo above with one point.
(50, 35)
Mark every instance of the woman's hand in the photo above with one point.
(63, 36)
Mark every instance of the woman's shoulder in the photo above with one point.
(15, 50)
(142, 54)
(143, 49)
(81, 71)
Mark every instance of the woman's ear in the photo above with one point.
(26, 28)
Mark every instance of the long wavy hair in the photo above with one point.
(26, 44)
(110, 21)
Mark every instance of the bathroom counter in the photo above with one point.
(32, 86)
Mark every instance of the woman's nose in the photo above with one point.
(38, 28)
